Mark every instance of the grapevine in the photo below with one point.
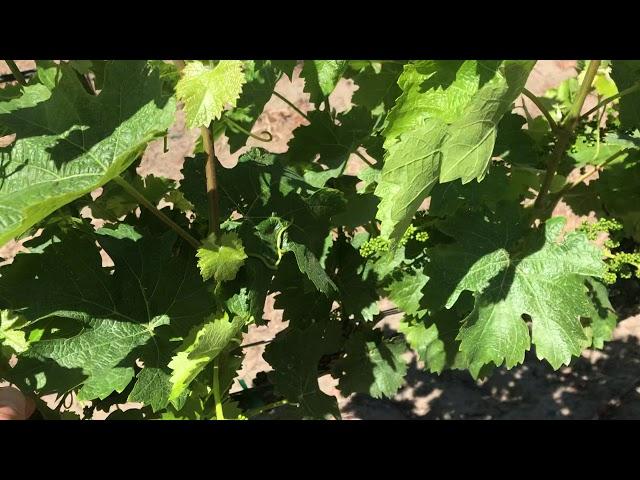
(435, 189)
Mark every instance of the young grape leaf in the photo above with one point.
(221, 258)
(200, 348)
(205, 91)
(47, 73)
(426, 342)
(69, 143)
(433, 337)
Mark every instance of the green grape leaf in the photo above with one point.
(406, 292)
(502, 184)
(259, 187)
(47, 73)
(221, 258)
(205, 91)
(114, 202)
(439, 89)
(433, 338)
(626, 73)
(324, 146)
(471, 138)
(168, 72)
(372, 365)
(69, 143)
(411, 169)
(105, 320)
(12, 338)
(377, 90)
(426, 342)
(443, 127)
(294, 356)
(321, 77)
(298, 296)
(200, 348)
(618, 190)
(586, 151)
(152, 388)
(311, 267)
(356, 284)
(511, 276)
(285, 66)
(604, 318)
(98, 350)
(516, 144)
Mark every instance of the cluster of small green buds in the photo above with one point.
(408, 235)
(377, 246)
(602, 225)
(374, 247)
(622, 265)
(619, 264)
(422, 236)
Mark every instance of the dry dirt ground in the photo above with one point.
(601, 384)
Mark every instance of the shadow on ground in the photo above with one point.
(601, 384)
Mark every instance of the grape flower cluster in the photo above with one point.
(377, 246)
(620, 264)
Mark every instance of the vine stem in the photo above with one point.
(209, 168)
(538, 103)
(291, 104)
(565, 132)
(610, 99)
(16, 72)
(212, 181)
(127, 187)
(216, 391)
